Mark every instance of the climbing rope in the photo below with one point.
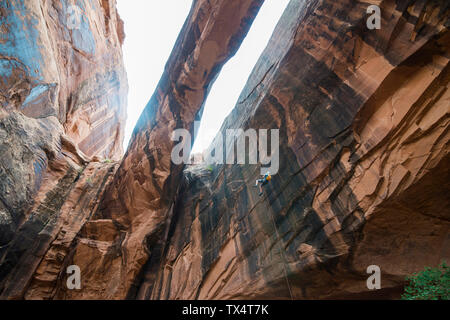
(283, 257)
(281, 251)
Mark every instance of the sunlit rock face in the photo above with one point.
(363, 179)
(139, 202)
(363, 175)
(62, 103)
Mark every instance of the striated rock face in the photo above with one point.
(363, 118)
(139, 202)
(63, 101)
(56, 64)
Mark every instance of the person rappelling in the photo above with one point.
(263, 181)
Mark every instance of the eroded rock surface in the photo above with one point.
(140, 199)
(63, 104)
(363, 180)
(363, 118)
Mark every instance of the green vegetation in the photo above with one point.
(429, 284)
(107, 161)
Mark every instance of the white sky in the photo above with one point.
(152, 27)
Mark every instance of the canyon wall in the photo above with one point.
(139, 202)
(363, 180)
(63, 98)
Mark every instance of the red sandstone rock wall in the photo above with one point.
(363, 180)
(139, 202)
(363, 118)
(63, 103)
